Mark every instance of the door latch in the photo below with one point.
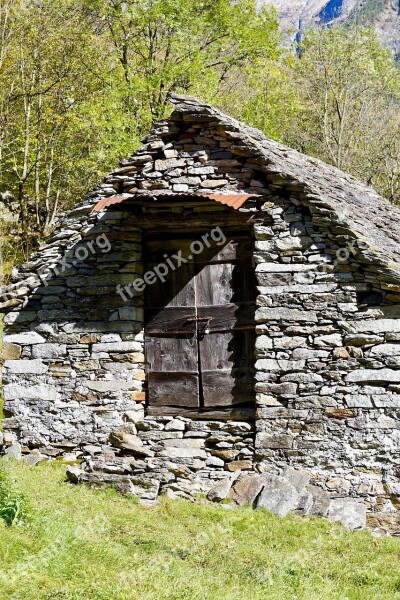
(203, 322)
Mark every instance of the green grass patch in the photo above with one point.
(14, 506)
(82, 543)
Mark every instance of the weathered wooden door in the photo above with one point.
(199, 332)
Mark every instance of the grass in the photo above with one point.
(81, 543)
(65, 542)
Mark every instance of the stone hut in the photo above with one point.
(220, 316)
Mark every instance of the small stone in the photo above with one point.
(49, 350)
(130, 443)
(340, 413)
(74, 474)
(33, 367)
(321, 501)
(11, 352)
(358, 401)
(214, 461)
(355, 352)
(213, 183)
(304, 504)
(374, 375)
(341, 353)
(175, 425)
(362, 339)
(328, 341)
(297, 478)
(225, 454)
(92, 450)
(24, 339)
(180, 471)
(169, 163)
(180, 187)
(135, 415)
(34, 458)
(273, 440)
(338, 484)
(89, 339)
(239, 465)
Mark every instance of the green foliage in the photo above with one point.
(168, 46)
(347, 91)
(86, 543)
(14, 506)
(368, 12)
(81, 83)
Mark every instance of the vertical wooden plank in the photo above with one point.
(225, 291)
(170, 331)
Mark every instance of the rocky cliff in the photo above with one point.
(384, 15)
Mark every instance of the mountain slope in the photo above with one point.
(297, 15)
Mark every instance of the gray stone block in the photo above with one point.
(305, 503)
(31, 367)
(246, 488)
(352, 514)
(278, 495)
(321, 501)
(285, 314)
(49, 350)
(15, 451)
(24, 339)
(118, 347)
(220, 490)
(30, 392)
(274, 440)
(360, 375)
(297, 478)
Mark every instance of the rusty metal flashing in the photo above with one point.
(234, 200)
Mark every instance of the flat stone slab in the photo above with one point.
(24, 339)
(22, 366)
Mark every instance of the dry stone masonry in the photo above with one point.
(325, 435)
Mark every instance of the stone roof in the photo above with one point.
(331, 194)
(334, 198)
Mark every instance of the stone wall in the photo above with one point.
(327, 396)
(328, 341)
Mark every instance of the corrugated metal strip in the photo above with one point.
(233, 200)
(106, 202)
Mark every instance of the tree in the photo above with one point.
(80, 82)
(166, 46)
(348, 98)
(57, 121)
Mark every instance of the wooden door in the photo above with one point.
(199, 332)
